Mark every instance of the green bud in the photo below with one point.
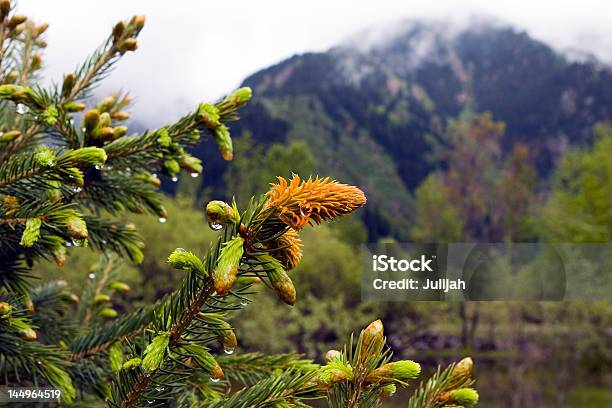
(181, 259)
(467, 397)
(204, 359)
(227, 266)
(132, 363)
(68, 84)
(31, 232)
(101, 298)
(14, 93)
(91, 119)
(120, 115)
(191, 164)
(372, 339)
(332, 355)
(45, 157)
(105, 120)
(150, 178)
(240, 97)
(28, 334)
(115, 357)
(194, 135)
(405, 370)
(155, 352)
(209, 114)
(9, 136)
(108, 313)
(5, 309)
(74, 107)
(220, 213)
(279, 279)
(120, 131)
(90, 156)
(172, 167)
(11, 77)
(59, 255)
(222, 328)
(387, 390)
(164, 138)
(49, 115)
(224, 142)
(120, 287)
(77, 228)
(335, 372)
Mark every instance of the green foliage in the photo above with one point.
(439, 219)
(479, 195)
(579, 206)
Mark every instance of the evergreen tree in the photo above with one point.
(63, 177)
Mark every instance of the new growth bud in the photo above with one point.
(279, 279)
(129, 44)
(205, 360)
(108, 313)
(332, 355)
(372, 339)
(240, 97)
(209, 114)
(220, 213)
(9, 136)
(120, 287)
(398, 371)
(5, 309)
(28, 334)
(224, 142)
(181, 259)
(227, 266)
(76, 228)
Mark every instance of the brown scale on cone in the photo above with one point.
(298, 202)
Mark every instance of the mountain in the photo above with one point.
(368, 106)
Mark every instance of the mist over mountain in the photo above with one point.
(369, 106)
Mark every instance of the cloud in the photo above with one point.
(192, 51)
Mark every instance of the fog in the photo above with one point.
(192, 51)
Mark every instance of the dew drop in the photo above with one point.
(215, 226)
(228, 350)
(21, 109)
(244, 303)
(194, 175)
(68, 243)
(159, 389)
(39, 362)
(150, 402)
(98, 166)
(162, 220)
(72, 121)
(75, 243)
(174, 179)
(92, 276)
(103, 242)
(77, 189)
(215, 380)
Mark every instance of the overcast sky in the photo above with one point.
(192, 51)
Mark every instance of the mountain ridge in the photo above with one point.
(368, 113)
